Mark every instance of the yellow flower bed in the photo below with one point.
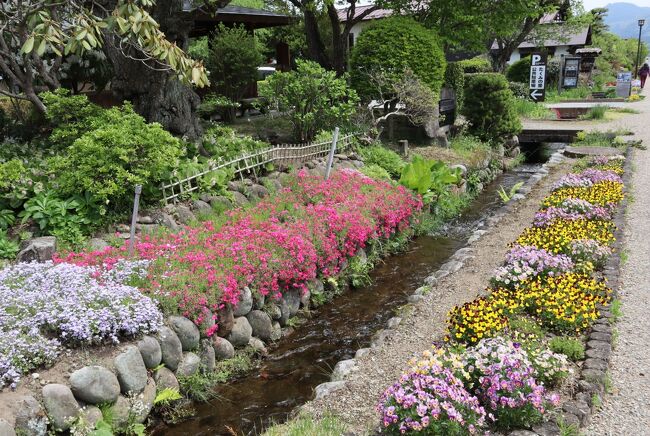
(478, 319)
(601, 193)
(557, 237)
(566, 303)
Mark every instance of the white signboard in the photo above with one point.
(537, 84)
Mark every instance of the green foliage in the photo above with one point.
(315, 98)
(507, 196)
(306, 425)
(519, 90)
(572, 348)
(616, 311)
(383, 157)
(490, 107)
(223, 143)
(213, 104)
(8, 248)
(455, 79)
(519, 71)
(475, 65)
(120, 151)
(373, 170)
(166, 396)
(69, 116)
(429, 178)
(7, 218)
(529, 109)
(391, 46)
(358, 271)
(234, 55)
(10, 173)
(595, 113)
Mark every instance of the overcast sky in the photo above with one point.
(590, 4)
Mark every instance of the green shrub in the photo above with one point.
(382, 157)
(429, 178)
(519, 90)
(490, 107)
(8, 248)
(315, 98)
(455, 79)
(475, 65)
(572, 348)
(595, 113)
(519, 71)
(223, 144)
(69, 116)
(391, 46)
(376, 172)
(234, 55)
(214, 104)
(120, 151)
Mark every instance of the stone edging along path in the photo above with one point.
(590, 385)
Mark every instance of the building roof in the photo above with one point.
(379, 13)
(251, 18)
(580, 37)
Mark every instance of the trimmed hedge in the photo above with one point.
(519, 71)
(391, 46)
(475, 65)
(490, 107)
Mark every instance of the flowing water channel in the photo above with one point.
(288, 375)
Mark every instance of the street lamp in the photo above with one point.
(638, 49)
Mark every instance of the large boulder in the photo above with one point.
(239, 199)
(38, 249)
(260, 323)
(208, 357)
(241, 332)
(61, 406)
(131, 371)
(170, 347)
(256, 192)
(201, 206)
(150, 351)
(189, 365)
(289, 305)
(184, 214)
(187, 332)
(223, 349)
(6, 429)
(165, 379)
(141, 411)
(245, 302)
(95, 385)
(226, 320)
(30, 417)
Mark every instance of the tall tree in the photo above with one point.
(338, 30)
(144, 41)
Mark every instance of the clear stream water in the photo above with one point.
(287, 377)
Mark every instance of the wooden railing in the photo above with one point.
(282, 154)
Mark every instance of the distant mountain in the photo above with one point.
(623, 18)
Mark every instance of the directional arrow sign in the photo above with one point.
(537, 77)
(536, 95)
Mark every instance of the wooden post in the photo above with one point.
(134, 217)
(330, 158)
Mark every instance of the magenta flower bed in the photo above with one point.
(307, 230)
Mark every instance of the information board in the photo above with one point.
(537, 83)
(571, 73)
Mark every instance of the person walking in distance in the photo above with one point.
(643, 74)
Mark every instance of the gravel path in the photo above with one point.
(627, 410)
(355, 403)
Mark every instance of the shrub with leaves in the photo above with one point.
(384, 158)
(490, 107)
(455, 79)
(429, 178)
(121, 151)
(314, 98)
(392, 46)
(519, 71)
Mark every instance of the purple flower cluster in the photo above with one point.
(68, 302)
(506, 384)
(589, 251)
(526, 262)
(587, 178)
(430, 400)
(573, 209)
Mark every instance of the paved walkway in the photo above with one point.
(627, 410)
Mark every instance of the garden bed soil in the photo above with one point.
(355, 403)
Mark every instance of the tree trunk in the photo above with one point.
(315, 46)
(339, 41)
(158, 95)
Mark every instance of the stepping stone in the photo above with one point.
(590, 151)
